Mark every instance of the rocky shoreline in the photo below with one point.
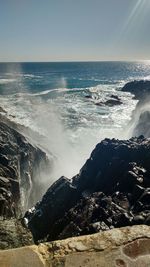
(20, 185)
(111, 190)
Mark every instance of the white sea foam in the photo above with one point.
(5, 81)
(18, 74)
(71, 124)
(69, 120)
(30, 76)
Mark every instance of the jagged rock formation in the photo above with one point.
(18, 163)
(20, 185)
(111, 190)
(129, 246)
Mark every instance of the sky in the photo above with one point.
(74, 30)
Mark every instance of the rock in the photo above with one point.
(21, 164)
(138, 191)
(147, 221)
(113, 102)
(129, 246)
(57, 201)
(18, 162)
(13, 235)
(116, 97)
(2, 110)
(110, 102)
(139, 219)
(145, 198)
(115, 177)
(140, 122)
(140, 89)
(88, 96)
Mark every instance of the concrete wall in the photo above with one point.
(123, 247)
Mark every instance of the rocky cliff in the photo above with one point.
(111, 190)
(19, 161)
(21, 164)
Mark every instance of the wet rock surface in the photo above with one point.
(13, 234)
(20, 185)
(18, 163)
(112, 100)
(112, 190)
(138, 88)
(140, 122)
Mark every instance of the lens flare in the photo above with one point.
(135, 12)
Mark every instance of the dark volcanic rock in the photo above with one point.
(110, 102)
(113, 100)
(21, 165)
(18, 163)
(138, 88)
(140, 122)
(111, 190)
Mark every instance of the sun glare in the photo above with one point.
(136, 10)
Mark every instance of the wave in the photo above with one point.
(5, 81)
(70, 123)
(26, 75)
(45, 92)
(58, 90)
(30, 76)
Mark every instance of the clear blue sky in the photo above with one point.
(74, 30)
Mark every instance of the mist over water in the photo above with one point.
(59, 101)
(140, 122)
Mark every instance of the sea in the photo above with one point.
(66, 103)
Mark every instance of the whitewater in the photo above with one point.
(66, 104)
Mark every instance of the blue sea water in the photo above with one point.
(61, 101)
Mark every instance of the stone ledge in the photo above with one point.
(124, 247)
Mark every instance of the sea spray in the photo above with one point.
(140, 122)
(50, 101)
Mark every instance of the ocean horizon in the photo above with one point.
(73, 105)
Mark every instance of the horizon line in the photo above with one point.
(77, 61)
